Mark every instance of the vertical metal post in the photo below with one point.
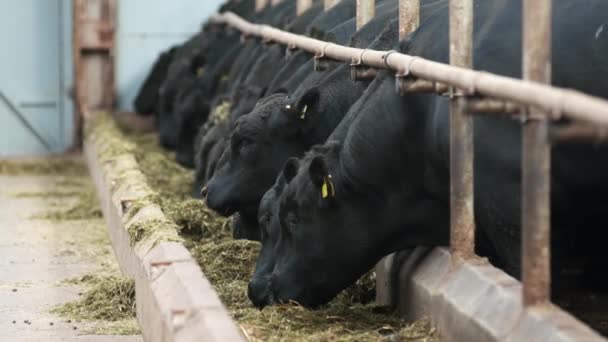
(327, 4)
(260, 5)
(302, 6)
(366, 10)
(409, 17)
(93, 53)
(462, 216)
(536, 163)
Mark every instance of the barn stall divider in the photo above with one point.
(469, 299)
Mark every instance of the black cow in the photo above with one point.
(288, 126)
(203, 49)
(384, 187)
(251, 73)
(146, 101)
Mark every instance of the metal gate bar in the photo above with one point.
(462, 216)
(536, 159)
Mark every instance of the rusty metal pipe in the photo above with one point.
(366, 10)
(536, 163)
(327, 4)
(405, 85)
(260, 5)
(302, 6)
(569, 103)
(492, 106)
(578, 133)
(462, 215)
(409, 17)
(362, 73)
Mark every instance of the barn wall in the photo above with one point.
(147, 27)
(36, 68)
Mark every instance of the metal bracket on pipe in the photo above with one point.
(267, 41)
(290, 50)
(492, 106)
(405, 84)
(321, 61)
(245, 37)
(359, 71)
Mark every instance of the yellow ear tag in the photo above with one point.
(199, 71)
(303, 114)
(327, 188)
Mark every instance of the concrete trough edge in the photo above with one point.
(175, 301)
(470, 300)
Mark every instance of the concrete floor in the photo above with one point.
(36, 255)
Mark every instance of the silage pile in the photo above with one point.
(229, 263)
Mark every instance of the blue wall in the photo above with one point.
(147, 27)
(35, 75)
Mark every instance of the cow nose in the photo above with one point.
(204, 192)
(258, 295)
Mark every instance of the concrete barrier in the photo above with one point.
(175, 301)
(470, 301)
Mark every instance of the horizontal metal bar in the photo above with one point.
(362, 73)
(38, 104)
(570, 103)
(406, 85)
(492, 106)
(578, 133)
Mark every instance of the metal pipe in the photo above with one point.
(327, 4)
(302, 6)
(405, 85)
(569, 103)
(409, 17)
(462, 215)
(492, 106)
(536, 162)
(260, 5)
(366, 10)
(578, 133)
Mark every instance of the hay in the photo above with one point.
(229, 265)
(86, 207)
(156, 230)
(47, 166)
(194, 218)
(73, 190)
(110, 298)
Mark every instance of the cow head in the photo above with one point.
(321, 247)
(259, 287)
(260, 143)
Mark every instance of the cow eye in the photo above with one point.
(265, 219)
(245, 145)
(292, 220)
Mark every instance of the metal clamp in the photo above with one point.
(321, 62)
(385, 57)
(359, 71)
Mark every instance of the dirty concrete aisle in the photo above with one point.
(36, 256)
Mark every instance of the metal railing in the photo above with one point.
(480, 92)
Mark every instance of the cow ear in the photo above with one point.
(291, 169)
(308, 103)
(320, 177)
